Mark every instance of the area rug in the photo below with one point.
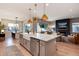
(12, 51)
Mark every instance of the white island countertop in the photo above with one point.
(40, 36)
(45, 37)
(27, 36)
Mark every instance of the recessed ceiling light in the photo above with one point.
(47, 4)
(70, 10)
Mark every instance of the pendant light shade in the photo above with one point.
(35, 15)
(16, 20)
(44, 17)
(35, 19)
(30, 20)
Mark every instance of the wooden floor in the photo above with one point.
(67, 49)
(63, 49)
(10, 42)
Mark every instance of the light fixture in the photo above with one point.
(16, 20)
(35, 19)
(2, 31)
(16, 24)
(30, 19)
(44, 17)
(70, 10)
(47, 4)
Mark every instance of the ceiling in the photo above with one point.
(53, 10)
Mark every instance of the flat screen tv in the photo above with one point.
(62, 25)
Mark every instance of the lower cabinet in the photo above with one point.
(34, 47)
(21, 39)
(27, 44)
(51, 48)
(48, 48)
(38, 47)
(24, 42)
(42, 48)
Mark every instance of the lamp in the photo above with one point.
(45, 17)
(30, 20)
(16, 25)
(2, 31)
(16, 20)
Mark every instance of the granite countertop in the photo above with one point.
(27, 36)
(43, 37)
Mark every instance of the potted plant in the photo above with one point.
(1, 27)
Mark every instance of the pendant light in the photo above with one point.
(35, 19)
(30, 19)
(16, 20)
(44, 17)
(16, 25)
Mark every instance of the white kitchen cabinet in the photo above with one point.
(27, 44)
(43, 45)
(42, 48)
(34, 47)
(21, 39)
(48, 48)
(40, 44)
(24, 42)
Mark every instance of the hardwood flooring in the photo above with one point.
(67, 49)
(63, 49)
(9, 41)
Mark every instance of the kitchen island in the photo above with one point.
(40, 44)
(25, 40)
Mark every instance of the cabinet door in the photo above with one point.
(34, 46)
(21, 41)
(42, 48)
(21, 36)
(28, 45)
(51, 48)
(25, 43)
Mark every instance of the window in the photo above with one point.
(13, 27)
(27, 27)
(75, 27)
